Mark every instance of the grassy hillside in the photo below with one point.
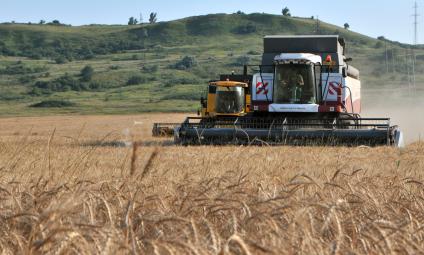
(160, 67)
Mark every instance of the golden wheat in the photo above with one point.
(70, 185)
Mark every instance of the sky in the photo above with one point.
(390, 18)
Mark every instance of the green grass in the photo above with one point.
(118, 53)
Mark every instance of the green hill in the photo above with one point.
(159, 67)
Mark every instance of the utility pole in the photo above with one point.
(387, 56)
(407, 70)
(393, 60)
(415, 15)
(317, 25)
(413, 59)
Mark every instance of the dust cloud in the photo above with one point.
(405, 109)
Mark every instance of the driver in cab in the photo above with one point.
(292, 86)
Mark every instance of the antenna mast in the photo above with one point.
(317, 26)
(415, 15)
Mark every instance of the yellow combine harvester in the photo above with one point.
(225, 99)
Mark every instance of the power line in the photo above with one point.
(317, 26)
(413, 60)
(415, 15)
(386, 56)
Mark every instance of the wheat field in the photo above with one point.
(102, 185)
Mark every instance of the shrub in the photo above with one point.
(61, 84)
(136, 79)
(253, 52)
(114, 67)
(186, 63)
(53, 104)
(151, 69)
(61, 60)
(27, 79)
(95, 86)
(55, 22)
(87, 73)
(20, 68)
(378, 45)
(39, 92)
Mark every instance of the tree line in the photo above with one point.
(152, 19)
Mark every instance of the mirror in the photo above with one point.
(344, 72)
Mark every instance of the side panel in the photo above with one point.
(352, 96)
(211, 100)
(330, 84)
(262, 92)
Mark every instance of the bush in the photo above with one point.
(53, 104)
(61, 84)
(20, 68)
(114, 67)
(378, 45)
(136, 79)
(27, 79)
(186, 63)
(151, 69)
(39, 92)
(95, 86)
(253, 52)
(61, 60)
(55, 22)
(87, 73)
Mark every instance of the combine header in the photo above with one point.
(304, 93)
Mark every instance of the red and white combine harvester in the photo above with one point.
(303, 93)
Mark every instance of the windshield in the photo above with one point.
(229, 100)
(294, 84)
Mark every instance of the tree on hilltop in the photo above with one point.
(132, 21)
(286, 12)
(153, 18)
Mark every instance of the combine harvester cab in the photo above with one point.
(305, 93)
